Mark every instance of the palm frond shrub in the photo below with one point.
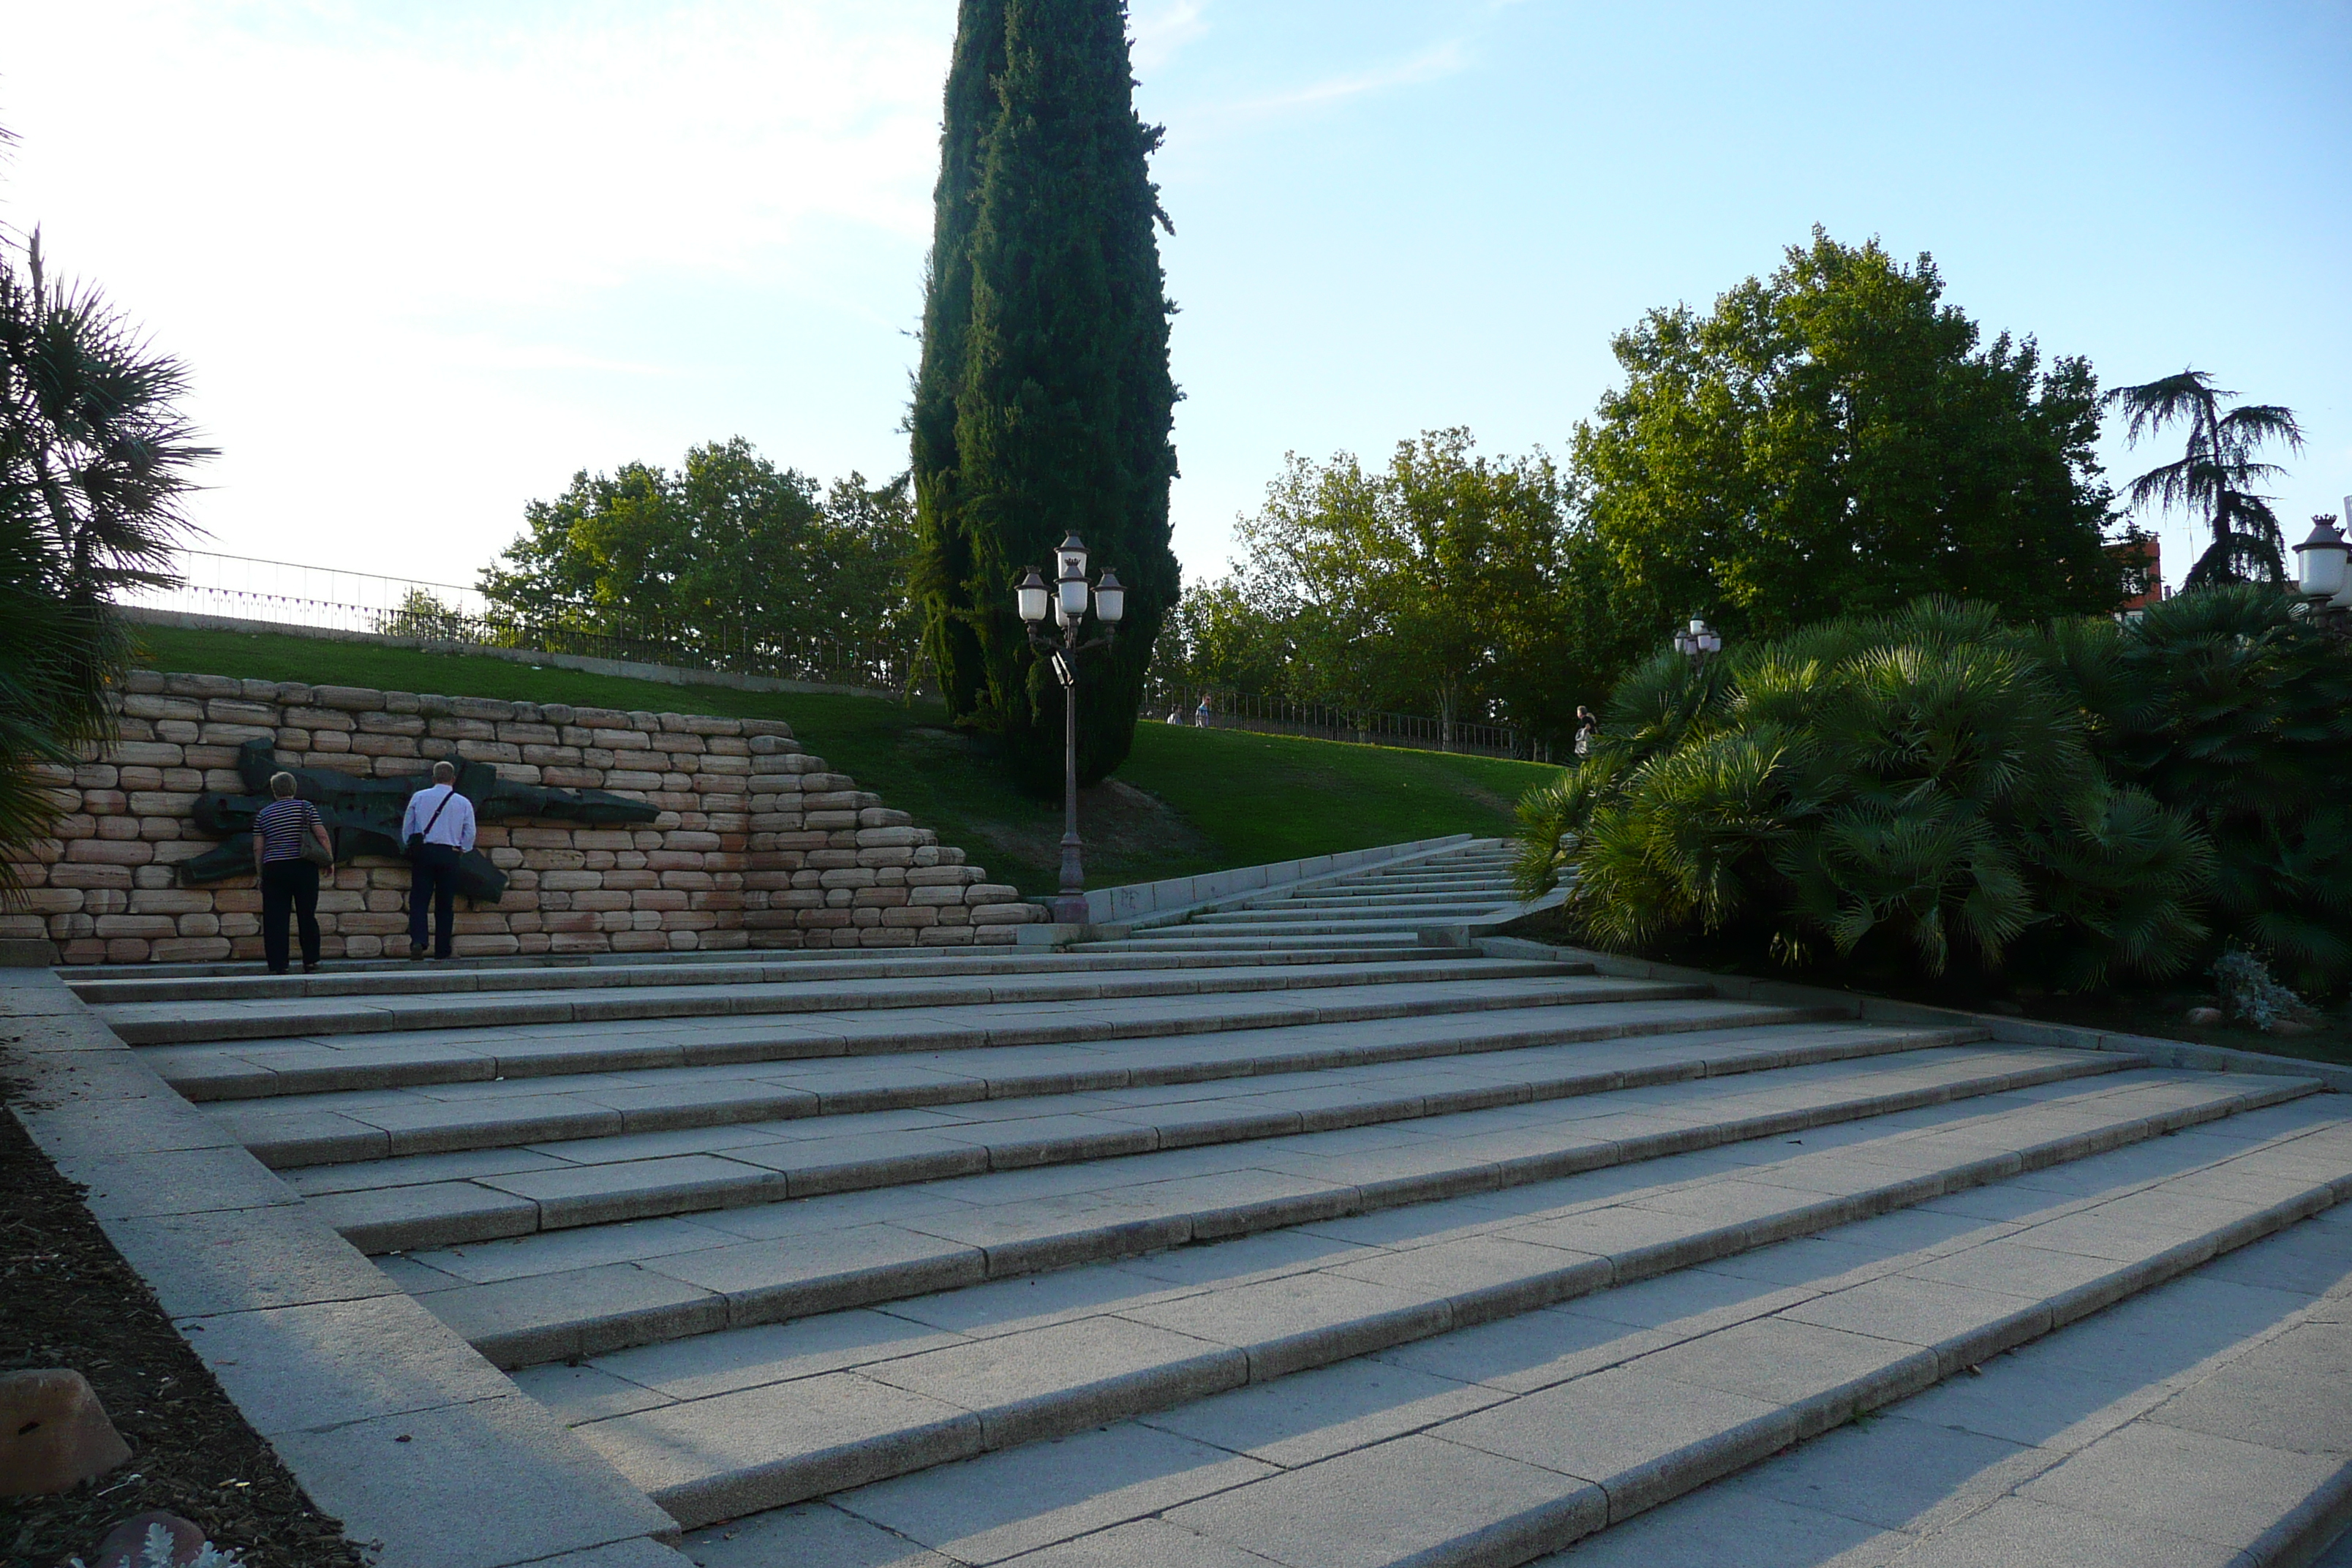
(1917, 793)
(2229, 708)
(94, 459)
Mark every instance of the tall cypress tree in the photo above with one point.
(1044, 404)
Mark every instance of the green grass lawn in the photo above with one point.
(1187, 800)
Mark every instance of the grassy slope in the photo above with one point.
(1234, 799)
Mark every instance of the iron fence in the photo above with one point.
(248, 588)
(1324, 721)
(285, 593)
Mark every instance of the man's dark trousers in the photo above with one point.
(432, 875)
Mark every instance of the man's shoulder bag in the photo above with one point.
(415, 845)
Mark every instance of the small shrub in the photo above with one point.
(158, 1552)
(2249, 993)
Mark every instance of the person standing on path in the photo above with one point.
(289, 878)
(437, 827)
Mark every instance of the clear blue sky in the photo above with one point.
(425, 260)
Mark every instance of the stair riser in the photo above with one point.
(467, 1067)
(490, 1014)
(893, 1282)
(741, 1492)
(288, 1154)
(1728, 1453)
(420, 980)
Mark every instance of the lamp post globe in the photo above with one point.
(1033, 598)
(2320, 561)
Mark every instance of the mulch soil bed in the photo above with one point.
(68, 1300)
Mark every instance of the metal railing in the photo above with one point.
(1280, 716)
(285, 593)
(242, 587)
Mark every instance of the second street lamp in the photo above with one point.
(2324, 571)
(1699, 643)
(1067, 601)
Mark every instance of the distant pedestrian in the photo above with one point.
(437, 827)
(282, 831)
(1587, 727)
(1201, 714)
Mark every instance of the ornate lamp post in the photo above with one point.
(1065, 599)
(2324, 572)
(1699, 643)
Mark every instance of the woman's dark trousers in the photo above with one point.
(288, 888)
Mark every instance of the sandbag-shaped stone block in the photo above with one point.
(54, 1433)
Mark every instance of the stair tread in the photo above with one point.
(145, 1023)
(226, 1070)
(1627, 1409)
(717, 969)
(518, 1302)
(1934, 1476)
(1507, 1078)
(286, 1130)
(2174, 1428)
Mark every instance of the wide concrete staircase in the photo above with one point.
(1386, 906)
(1319, 1246)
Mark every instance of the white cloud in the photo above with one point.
(472, 249)
(1158, 30)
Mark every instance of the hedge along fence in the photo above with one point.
(755, 843)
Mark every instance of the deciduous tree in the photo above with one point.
(1834, 439)
(728, 543)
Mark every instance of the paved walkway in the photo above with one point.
(1279, 1236)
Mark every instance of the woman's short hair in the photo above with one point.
(281, 785)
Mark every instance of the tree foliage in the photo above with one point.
(1835, 439)
(1044, 404)
(727, 543)
(1437, 583)
(2214, 478)
(95, 459)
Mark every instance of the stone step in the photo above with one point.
(1482, 888)
(1273, 927)
(1370, 902)
(1167, 939)
(284, 1130)
(392, 1204)
(1553, 1465)
(1590, 1408)
(1381, 913)
(786, 1260)
(172, 1023)
(2203, 1421)
(238, 1070)
(739, 969)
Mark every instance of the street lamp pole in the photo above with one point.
(1066, 600)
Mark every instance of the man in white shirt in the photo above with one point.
(437, 827)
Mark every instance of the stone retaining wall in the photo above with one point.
(758, 843)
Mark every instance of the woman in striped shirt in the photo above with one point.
(289, 884)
